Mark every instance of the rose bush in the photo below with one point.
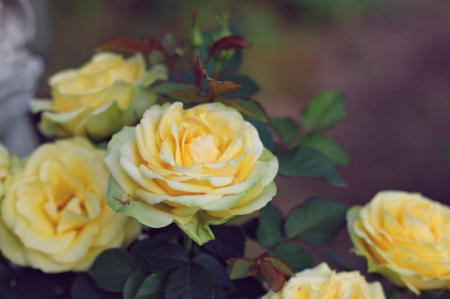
(100, 98)
(54, 216)
(405, 237)
(323, 283)
(194, 167)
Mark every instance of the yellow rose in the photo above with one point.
(405, 237)
(54, 216)
(193, 167)
(4, 169)
(323, 283)
(100, 98)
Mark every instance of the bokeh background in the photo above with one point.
(390, 58)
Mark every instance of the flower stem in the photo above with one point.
(217, 67)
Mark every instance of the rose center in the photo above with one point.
(203, 149)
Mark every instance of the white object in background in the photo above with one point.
(19, 72)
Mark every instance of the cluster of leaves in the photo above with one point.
(164, 265)
(313, 223)
(301, 147)
(309, 152)
(167, 265)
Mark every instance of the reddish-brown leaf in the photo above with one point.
(279, 265)
(216, 87)
(190, 95)
(275, 278)
(125, 44)
(223, 87)
(228, 43)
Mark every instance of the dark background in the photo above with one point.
(390, 58)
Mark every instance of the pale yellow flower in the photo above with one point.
(194, 167)
(100, 98)
(405, 237)
(323, 283)
(4, 169)
(54, 216)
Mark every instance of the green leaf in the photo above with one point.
(248, 86)
(133, 284)
(316, 221)
(241, 268)
(247, 107)
(152, 287)
(232, 65)
(112, 268)
(327, 146)
(323, 111)
(214, 267)
(84, 287)
(286, 129)
(188, 96)
(139, 250)
(297, 258)
(191, 281)
(156, 57)
(166, 256)
(310, 163)
(270, 229)
(250, 227)
(229, 242)
(168, 87)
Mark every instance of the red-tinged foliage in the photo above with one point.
(190, 95)
(223, 87)
(275, 278)
(199, 72)
(279, 265)
(216, 87)
(125, 44)
(229, 43)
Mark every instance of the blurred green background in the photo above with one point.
(390, 58)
